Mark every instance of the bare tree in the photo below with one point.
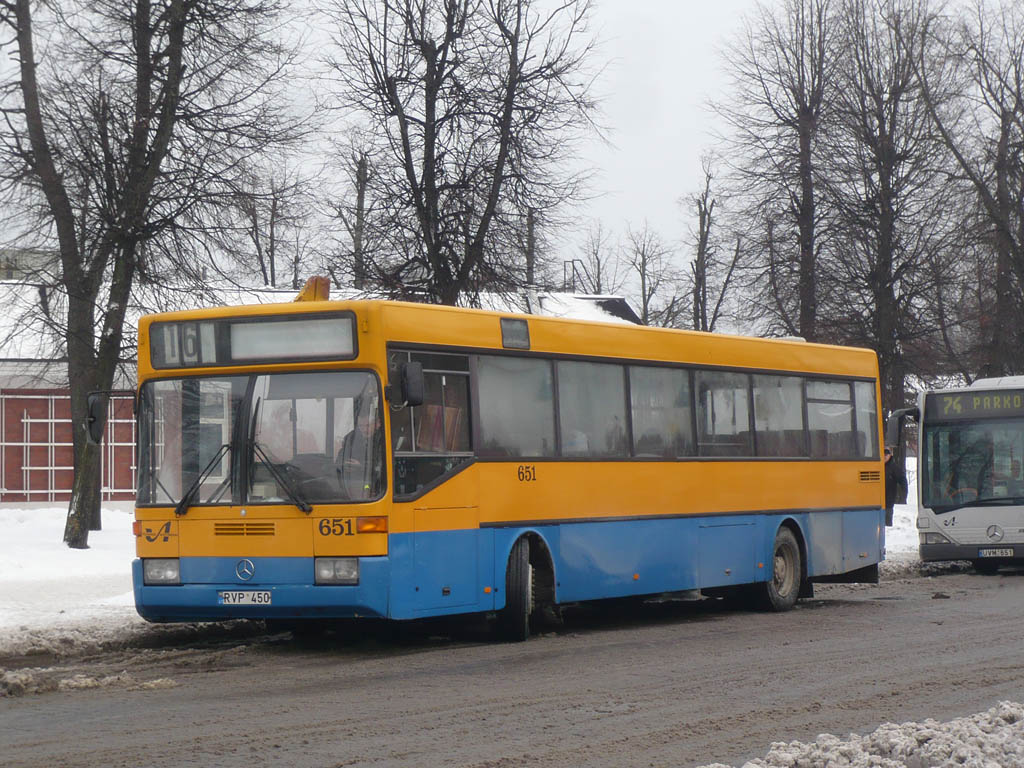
(476, 106)
(265, 225)
(984, 132)
(119, 128)
(601, 261)
(710, 277)
(661, 294)
(887, 192)
(783, 71)
(362, 243)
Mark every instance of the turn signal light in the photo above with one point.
(137, 528)
(371, 525)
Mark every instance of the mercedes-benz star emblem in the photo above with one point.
(995, 532)
(245, 570)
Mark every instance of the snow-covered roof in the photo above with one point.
(32, 348)
(32, 351)
(578, 306)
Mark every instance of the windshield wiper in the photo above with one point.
(293, 494)
(253, 449)
(193, 489)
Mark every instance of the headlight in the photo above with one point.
(933, 538)
(336, 570)
(161, 570)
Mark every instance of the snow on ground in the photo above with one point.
(57, 600)
(992, 739)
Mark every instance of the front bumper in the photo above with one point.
(950, 551)
(288, 579)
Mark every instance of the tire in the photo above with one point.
(514, 618)
(781, 591)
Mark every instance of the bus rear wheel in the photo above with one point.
(514, 618)
(780, 592)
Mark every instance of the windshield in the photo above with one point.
(283, 438)
(972, 461)
(184, 425)
(321, 432)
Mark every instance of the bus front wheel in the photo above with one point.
(780, 592)
(514, 618)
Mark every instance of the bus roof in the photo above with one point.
(999, 382)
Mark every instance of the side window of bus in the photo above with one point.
(723, 414)
(830, 423)
(592, 409)
(867, 419)
(441, 424)
(779, 416)
(661, 411)
(432, 439)
(517, 407)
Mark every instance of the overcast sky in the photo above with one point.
(665, 64)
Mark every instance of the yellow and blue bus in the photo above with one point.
(338, 459)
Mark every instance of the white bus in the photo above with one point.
(970, 477)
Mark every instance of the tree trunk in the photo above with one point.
(84, 376)
(808, 313)
(84, 509)
(999, 352)
(358, 254)
(531, 246)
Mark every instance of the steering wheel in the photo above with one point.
(963, 494)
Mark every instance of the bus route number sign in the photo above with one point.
(974, 405)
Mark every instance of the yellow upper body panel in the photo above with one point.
(563, 489)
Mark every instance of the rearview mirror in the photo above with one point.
(96, 420)
(894, 428)
(411, 383)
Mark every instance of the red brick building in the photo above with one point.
(36, 457)
(36, 454)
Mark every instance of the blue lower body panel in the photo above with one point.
(595, 560)
(437, 573)
(288, 579)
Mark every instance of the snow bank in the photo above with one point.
(992, 739)
(59, 600)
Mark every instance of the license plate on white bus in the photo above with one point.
(995, 553)
(261, 597)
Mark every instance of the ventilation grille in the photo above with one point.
(870, 476)
(243, 529)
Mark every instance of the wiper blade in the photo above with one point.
(189, 496)
(293, 494)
